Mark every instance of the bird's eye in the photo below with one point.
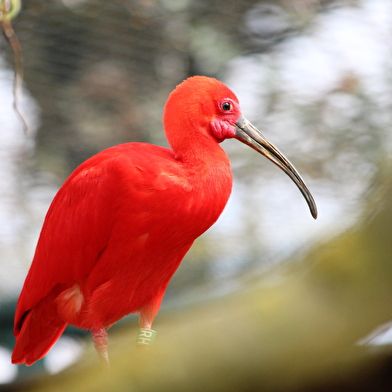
(226, 106)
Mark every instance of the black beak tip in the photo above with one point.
(248, 134)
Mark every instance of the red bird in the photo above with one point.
(122, 222)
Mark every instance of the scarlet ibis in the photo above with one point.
(122, 222)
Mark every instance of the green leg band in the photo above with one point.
(146, 337)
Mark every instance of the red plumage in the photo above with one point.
(122, 222)
(113, 237)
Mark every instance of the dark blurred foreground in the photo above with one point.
(293, 329)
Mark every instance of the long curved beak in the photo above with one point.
(250, 135)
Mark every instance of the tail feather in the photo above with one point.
(41, 327)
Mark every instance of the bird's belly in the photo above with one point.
(141, 256)
(133, 282)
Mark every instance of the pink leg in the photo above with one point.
(100, 338)
(145, 322)
(146, 336)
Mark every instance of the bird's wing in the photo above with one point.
(79, 221)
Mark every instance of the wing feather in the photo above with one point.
(79, 221)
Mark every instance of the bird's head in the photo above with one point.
(205, 109)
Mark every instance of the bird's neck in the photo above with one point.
(204, 155)
(199, 153)
(209, 179)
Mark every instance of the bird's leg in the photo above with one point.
(100, 338)
(146, 336)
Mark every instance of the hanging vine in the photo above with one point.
(9, 9)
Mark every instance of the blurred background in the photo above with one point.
(268, 299)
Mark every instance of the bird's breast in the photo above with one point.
(205, 198)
